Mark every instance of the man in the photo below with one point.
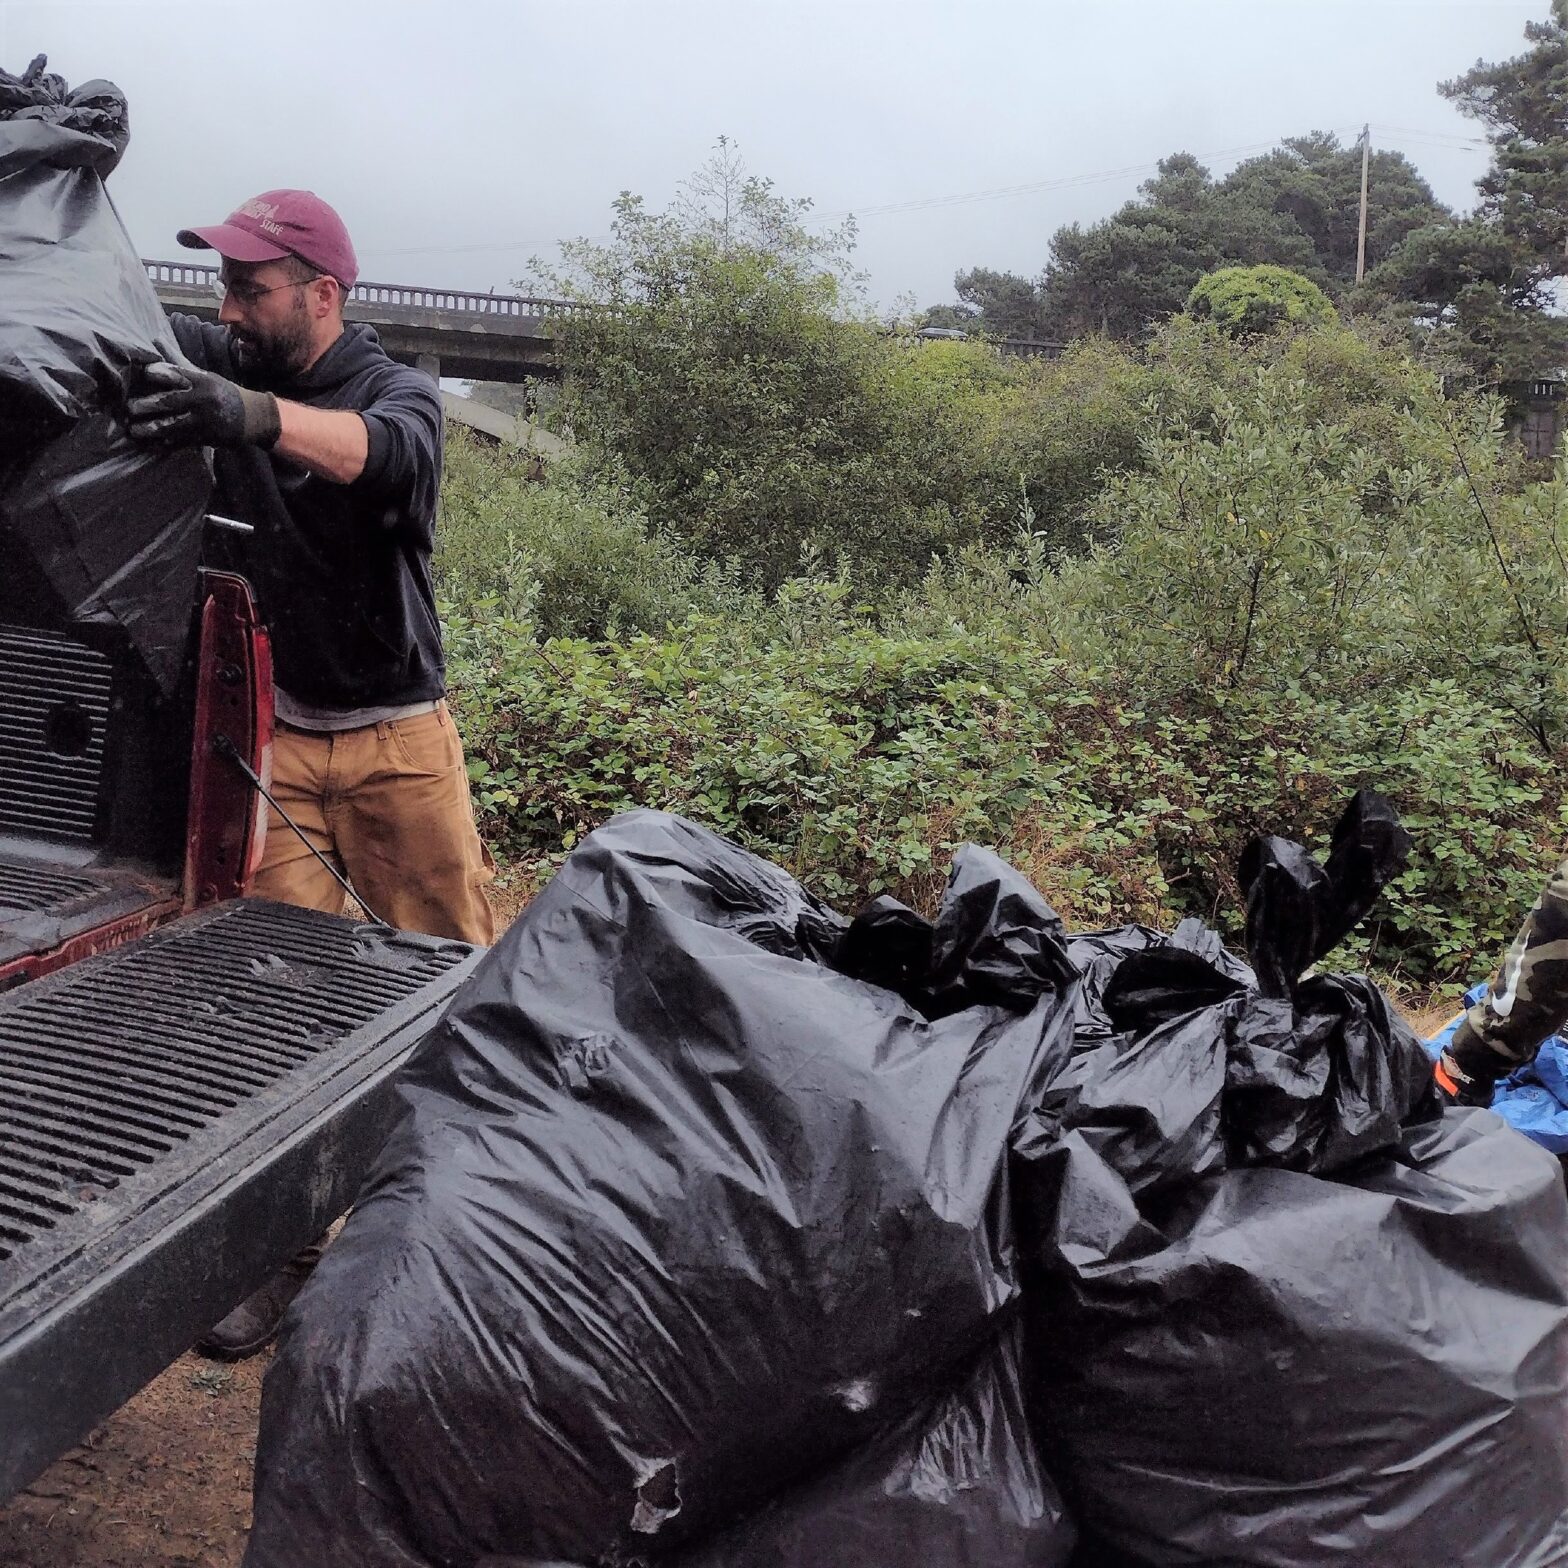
(1527, 1003)
(331, 451)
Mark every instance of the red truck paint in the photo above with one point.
(226, 818)
(227, 822)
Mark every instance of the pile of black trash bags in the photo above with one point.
(93, 529)
(719, 1232)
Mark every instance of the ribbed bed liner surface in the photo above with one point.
(118, 1064)
(30, 889)
(178, 1118)
(44, 906)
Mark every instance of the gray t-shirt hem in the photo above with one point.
(306, 716)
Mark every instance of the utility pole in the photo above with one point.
(1361, 239)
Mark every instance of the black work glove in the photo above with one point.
(196, 408)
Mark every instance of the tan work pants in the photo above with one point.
(388, 805)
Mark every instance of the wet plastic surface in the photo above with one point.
(694, 1247)
(960, 1485)
(1288, 1312)
(677, 1214)
(110, 530)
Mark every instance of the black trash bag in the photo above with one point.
(79, 311)
(111, 529)
(1288, 1313)
(957, 1485)
(676, 1212)
(994, 941)
(1097, 955)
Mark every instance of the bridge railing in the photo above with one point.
(401, 296)
(182, 273)
(408, 296)
(1032, 348)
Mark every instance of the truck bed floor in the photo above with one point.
(44, 905)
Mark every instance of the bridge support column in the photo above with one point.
(430, 364)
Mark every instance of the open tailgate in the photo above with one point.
(177, 1119)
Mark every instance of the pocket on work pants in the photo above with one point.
(420, 846)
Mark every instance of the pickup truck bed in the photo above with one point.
(70, 723)
(176, 1117)
(48, 904)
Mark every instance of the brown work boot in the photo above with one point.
(253, 1324)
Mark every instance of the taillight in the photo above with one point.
(226, 827)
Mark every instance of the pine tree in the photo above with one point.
(1523, 103)
(1491, 277)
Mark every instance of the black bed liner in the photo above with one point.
(54, 725)
(44, 903)
(177, 1118)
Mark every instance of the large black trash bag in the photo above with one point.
(1097, 955)
(676, 1212)
(111, 529)
(1289, 1312)
(958, 1485)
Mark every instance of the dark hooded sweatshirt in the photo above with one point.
(342, 572)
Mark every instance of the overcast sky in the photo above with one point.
(458, 138)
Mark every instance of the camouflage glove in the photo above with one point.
(196, 408)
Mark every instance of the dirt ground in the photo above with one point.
(165, 1483)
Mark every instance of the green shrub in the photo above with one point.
(1262, 299)
(859, 758)
(852, 599)
(570, 554)
(764, 419)
(1251, 561)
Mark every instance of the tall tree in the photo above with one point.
(996, 304)
(1131, 271)
(1475, 290)
(753, 409)
(1316, 183)
(1483, 287)
(1523, 103)
(1295, 207)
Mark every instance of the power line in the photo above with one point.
(1384, 133)
(1031, 187)
(912, 204)
(1450, 138)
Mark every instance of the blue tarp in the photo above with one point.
(1534, 1099)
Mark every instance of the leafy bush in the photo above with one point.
(1252, 300)
(570, 555)
(852, 598)
(1254, 560)
(763, 419)
(858, 758)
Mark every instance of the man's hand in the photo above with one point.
(197, 408)
(1460, 1086)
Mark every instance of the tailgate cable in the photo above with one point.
(226, 748)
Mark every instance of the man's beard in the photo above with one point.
(278, 354)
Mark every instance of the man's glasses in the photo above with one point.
(247, 293)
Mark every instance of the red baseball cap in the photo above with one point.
(276, 224)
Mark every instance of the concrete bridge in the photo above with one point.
(449, 332)
(455, 332)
